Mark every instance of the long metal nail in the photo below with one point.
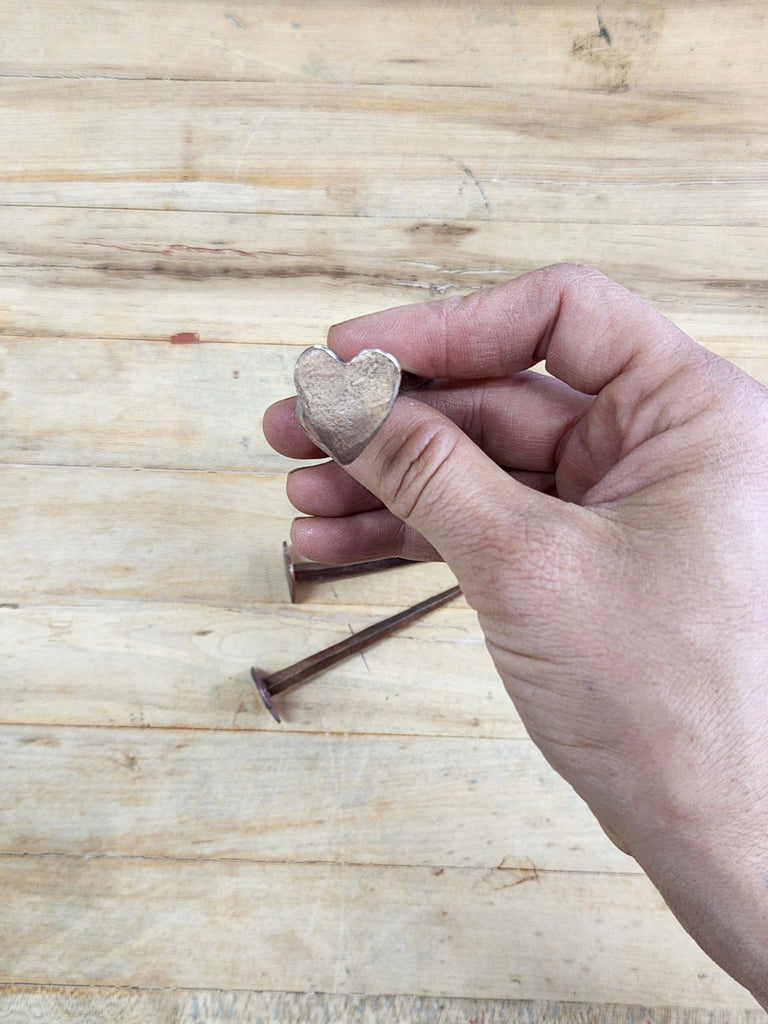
(270, 685)
(318, 572)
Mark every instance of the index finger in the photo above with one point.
(586, 327)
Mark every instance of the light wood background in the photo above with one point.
(190, 192)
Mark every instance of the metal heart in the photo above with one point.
(342, 405)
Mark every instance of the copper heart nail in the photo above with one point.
(342, 405)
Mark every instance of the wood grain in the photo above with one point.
(320, 799)
(198, 405)
(456, 932)
(156, 534)
(49, 1005)
(168, 407)
(679, 45)
(83, 530)
(489, 153)
(186, 666)
(282, 280)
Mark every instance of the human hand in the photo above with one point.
(607, 525)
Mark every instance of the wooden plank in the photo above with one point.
(284, 279)
(366, 799)
(167, 1006)
(190, 407)
(122, 663)
(159, 305)
(679, 193)
(160, 406)
(198, 406)
(168, 407)
(339, 928)
(676, 46)
(212, 537)
(141, 533)
(430, 255)
(393, 151)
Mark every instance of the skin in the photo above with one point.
(607, 523)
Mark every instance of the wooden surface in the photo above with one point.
(191, 192)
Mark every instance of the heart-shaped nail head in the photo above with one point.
(342, 405)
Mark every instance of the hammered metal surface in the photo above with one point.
(342, 405)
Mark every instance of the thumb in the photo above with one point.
(430, 475)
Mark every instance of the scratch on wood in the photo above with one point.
(214, 43)
(248, 144)
(178, 247)
(604, 33)
(445, 229)
(476, 181)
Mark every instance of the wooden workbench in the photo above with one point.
(191, 191)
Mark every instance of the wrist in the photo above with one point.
(714, 878)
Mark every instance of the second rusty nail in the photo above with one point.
(270, 685)
(318, 572)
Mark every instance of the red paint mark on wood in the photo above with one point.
(185, 338)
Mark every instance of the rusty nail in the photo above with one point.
(319, 572)
(270, 686)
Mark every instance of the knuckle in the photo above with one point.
(412, 467)
(576, 273)
(578, 283)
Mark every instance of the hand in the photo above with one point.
(608, 524)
